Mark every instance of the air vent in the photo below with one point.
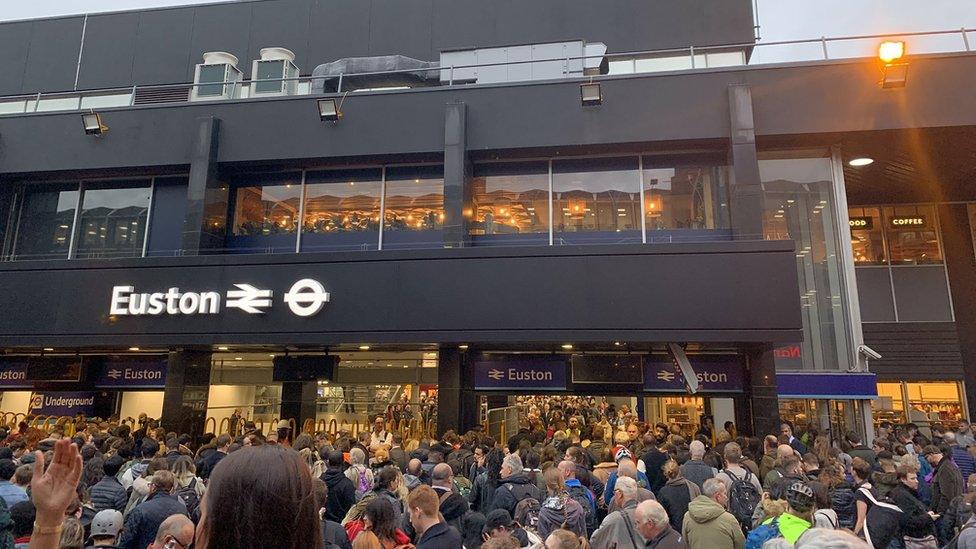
(162, 94)
(267, 73)
(216, 78)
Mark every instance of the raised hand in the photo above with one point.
(53, 489)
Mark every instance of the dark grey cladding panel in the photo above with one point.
(53, 58)
(14, 45)
(721, 292)
(286, 24)
(110, 41)
(339, 28)
(223, 27)
(453, 25)
(399, 27)
(162, 49)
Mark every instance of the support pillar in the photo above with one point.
(186, 392)
(298, 402)
(457, 404)
(457, 177)
(746, 193)
(205, 224)
(957, 243)
(760, 411)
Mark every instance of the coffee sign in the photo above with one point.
(907, 221)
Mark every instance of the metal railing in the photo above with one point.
(691, 58)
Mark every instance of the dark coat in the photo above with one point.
(480, 497)
(915, 520)
(668, 539)
(399, 457)
(108, 493)
(439, 536)
(143, 521)
(342, 494)
(512, 490)
(654, 459)
(675, 497)
(946, 484)
(333, 532)
(209, 463)
(586, 478)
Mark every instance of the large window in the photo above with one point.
(44, 227)
(112, 222)
(414, 207)
(680, 198)
(266, 210)
(509, 199)
(867, 236)
(342, 209)
(912, 235)
(596, 195)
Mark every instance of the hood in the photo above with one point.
(333, 476)
(680, 481)
(412, 481)
(888, 479)
(557, 502)
(559, 505)
(139, 468)
(792, 526)
(520, 478)
(454, 506)
(703, 509)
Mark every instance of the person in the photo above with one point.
(619, 528)
(148, 449)
(859, 450)
(514, 485)
(453, 506)
(108, 493)
(580, 493)
(676, 494)
(695, 469)
(785, 457)
(654, 459)
(208, 465)
(733, 468)
(960, 455)
(397, 455)
(23, 517)
(175, 531)
(559, 509)
(946, 485)
(53, 488)
(786, 430)
(810, 465)
(654, 526)
(768, 460)
(342, 492)
(379, 436)
(386, 484)
(918, 523)
(796, 519)
(478, 464)
(10, 492)
(707, 525)
(378, 523)
(861, 472)
(564, 539)
(143, 521)
(72, 534)
(628, 469)
(105, 528)
(359, 473)
(332, 532)
(626, 466)
(423, 506)
(823, 516)
(964, 436)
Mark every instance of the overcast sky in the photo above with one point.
(779, 19)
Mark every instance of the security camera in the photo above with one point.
(868, 352)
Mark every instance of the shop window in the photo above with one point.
(680, 200)
(509, 199)
(265, 212)
(912, 234)
(46, 218)
(113, 218)
(890, 404)
(342, 209)
(867, 236)
(934, 402)
(596, 195)
(414, 207)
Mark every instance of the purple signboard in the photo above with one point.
(13, 375)
(133, 374)
(716, 374)
(63, 403)
(841, 385)
(529, 374)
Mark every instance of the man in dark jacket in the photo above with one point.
(108, 493)
(946, 485)
(223, 444)
(916, 520)
(172, 451)
(433, 533)
(578, 455)
(514, 486)
(144, 520)
(397, 455)
(654, 459)
(342, 493)
(859, 450)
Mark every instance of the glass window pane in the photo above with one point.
(596, 195)
(13, 107)
(912, 235)
(414, 199)
(211, 73)
(342, 209)
(44, 228)
(113, 221)
(269, 70)
(725, 59)
(931, 402)
(113, 100)
(866, 236)
(265, 215)
(509, 199)
(684, 196)
(58, 104)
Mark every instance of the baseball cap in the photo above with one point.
(106, 523)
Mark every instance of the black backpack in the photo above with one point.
(743, 499)
(843, 503)
(188, 495)
(579, 493)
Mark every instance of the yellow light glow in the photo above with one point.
(364, 347)
(568, 346)
(891, 50)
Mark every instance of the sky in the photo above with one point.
(779, 20)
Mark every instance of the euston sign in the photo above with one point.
(130, 373)
(492, 375)
(716, 374)
(306, 297)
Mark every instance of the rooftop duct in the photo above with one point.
(356, 73)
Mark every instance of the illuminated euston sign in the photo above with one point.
(306, 297)
(904, 221)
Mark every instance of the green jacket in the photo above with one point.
(707, 525)
(791, 527)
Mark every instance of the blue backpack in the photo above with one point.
(763, 533)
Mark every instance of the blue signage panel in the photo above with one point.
(63, 403)
(827, 385)
(13, 375)
(132, 374)
(504, 375)
(716, 374)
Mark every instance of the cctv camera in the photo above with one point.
(868, 352)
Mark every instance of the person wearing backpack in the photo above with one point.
(841, 494)
(580, 493)
(707, 525)
(189, 488)
(797, 519)
(513, 486)
(745, 491)
(558, 509)
(619, 528)
(359, 473)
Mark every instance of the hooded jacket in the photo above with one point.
(556, 510)
(342, 494)
(675, 497)
(707, 525)
(915, 520)
(512, 490)
(791, 527)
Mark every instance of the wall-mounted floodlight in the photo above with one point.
(890, 50)
(590, 94)
(894, 74)
(329, 110)
(93, 123)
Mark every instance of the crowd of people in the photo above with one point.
(577, 473)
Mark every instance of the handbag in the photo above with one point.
(928, 542)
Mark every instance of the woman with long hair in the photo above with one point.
(483, 487)
(558, 509)
(380, 520)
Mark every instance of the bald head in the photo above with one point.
(413, 467)
(175, 527)
(783, 450)
(627, 468)
(568, 469)
(441, 475)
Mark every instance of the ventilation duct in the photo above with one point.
(357, 73)
(548, 61)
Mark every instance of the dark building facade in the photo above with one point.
(473, 230)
